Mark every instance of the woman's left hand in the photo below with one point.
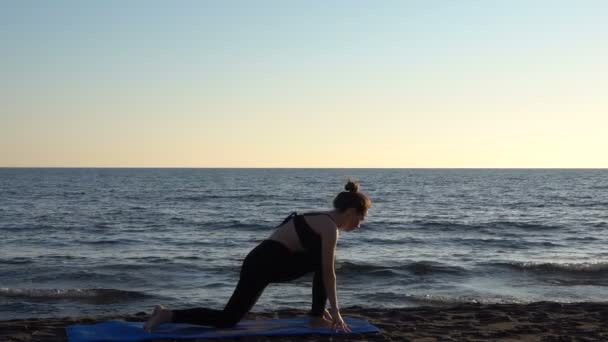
(338, 322)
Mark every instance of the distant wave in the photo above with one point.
(440, 300)
(148, 258)
(30, 227)
(415, 268)
(589, 205)
(385, 242)
(67, 274)
(241, 225)
(105, 241)
(210, 196)
(582, 238)
(454, 226)
(505, 243)
(95, 296)
(16, 261)
(588, 269)
(521, 225)
(125, 269)
(33, 260)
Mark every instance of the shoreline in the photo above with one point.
(540, 321)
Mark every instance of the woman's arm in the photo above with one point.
(328, 250)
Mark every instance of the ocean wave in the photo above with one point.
(62, 257)
(167, 266)
(16, 261)
(450, 300)
(202, 243)
(188, 257)
(582, 238)
(241, 225)
(416, 268)
(588, 269)
(206, 197)
(456, 226)
(522, 225)
(109, 242)
(31, 227)
(385, 242)
(123, 277)
(95, 296)
(439, 299)
(505, 243)
(35, 259)
(150, 259)
(589, 205)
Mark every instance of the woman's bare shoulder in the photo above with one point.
(322, 223)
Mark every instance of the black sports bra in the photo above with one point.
(310, 240)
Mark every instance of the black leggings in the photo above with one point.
(269, 262)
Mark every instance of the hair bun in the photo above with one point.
(352, 186)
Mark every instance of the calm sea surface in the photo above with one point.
(98, 241)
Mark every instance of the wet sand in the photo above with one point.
(542, 321)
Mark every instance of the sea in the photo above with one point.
(98, 241)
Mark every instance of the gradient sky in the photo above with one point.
(304, 83)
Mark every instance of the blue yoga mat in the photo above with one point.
(114, 331)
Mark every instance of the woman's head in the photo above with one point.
(352, 204)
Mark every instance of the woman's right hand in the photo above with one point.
(338, 322)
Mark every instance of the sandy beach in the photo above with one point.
(542, 321)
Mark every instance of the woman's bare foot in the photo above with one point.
(319, 322)
(160, 315)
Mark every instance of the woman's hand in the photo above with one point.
(338, 322)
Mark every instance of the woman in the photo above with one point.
(302, 243)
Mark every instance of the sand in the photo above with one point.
(542, 321)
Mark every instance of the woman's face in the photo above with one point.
(354, 219)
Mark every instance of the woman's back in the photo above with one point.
(287, 233)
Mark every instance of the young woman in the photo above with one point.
(302, 243)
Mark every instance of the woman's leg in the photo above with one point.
(319, 297)
(268, 262)
(245, 295)
(160, 315)
(253, 280)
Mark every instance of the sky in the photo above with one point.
(337, 84)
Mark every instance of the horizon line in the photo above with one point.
(295, 168)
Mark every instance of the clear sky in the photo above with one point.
(452, 83)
